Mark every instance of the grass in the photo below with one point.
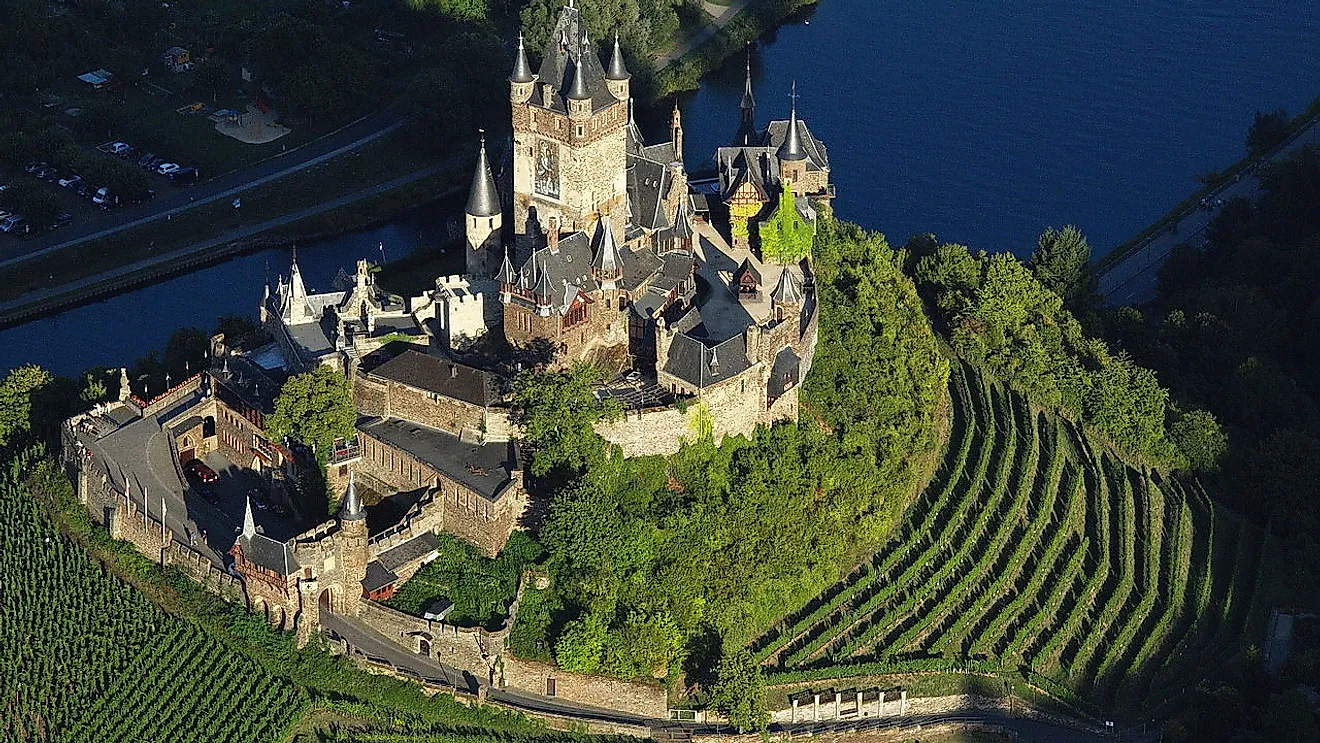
(375, 163)
(1039, 556)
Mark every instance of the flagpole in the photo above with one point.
(163, 510)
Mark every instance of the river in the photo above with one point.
(981, 122)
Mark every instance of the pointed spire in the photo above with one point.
(792, 148)
(606, 260)
(617, 70)
(522, 71)
(352, 510)
(249, 523)
(483, 199)
(748, 100)
(543, 290)
(577, 90)
(683, 220)
(789, 288)
(507, 275)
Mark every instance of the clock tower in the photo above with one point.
(569, 136)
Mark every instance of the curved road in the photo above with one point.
(376, 646)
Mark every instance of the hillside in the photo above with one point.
(1036, 554)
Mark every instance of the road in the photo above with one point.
(378, 647)
(721, 17)
(174, 201)
(84, 288)
(1134, 280)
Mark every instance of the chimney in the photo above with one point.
(552, 239)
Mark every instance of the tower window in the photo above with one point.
(579, 130)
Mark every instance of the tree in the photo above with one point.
(1060, 262)
(16, 393)
(1267, 131)
(558, 412)
(580, 646)
(316, 408)
(1201, 440)
(739, 691)
(214, 76)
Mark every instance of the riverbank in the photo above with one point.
(731, 35)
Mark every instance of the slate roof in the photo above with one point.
(552, 271)
(378, 577)
(745, 269)
(690, 323)
(433, 374)
(483, 198)
(789, 288)
(648, 184)
(818, 158)
(702, 366)
(639, 265)
(568, 38)
(786, 372)
(414, 549)
(485, 469)
(187, 423)
(268, 553)
(755, 164)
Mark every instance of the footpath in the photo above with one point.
(720, 17)
(1134, 279)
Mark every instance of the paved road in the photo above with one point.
(178, 200)
(1134, 279)
(722, 16)
(203, 247)
(373, 644)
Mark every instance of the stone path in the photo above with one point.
(1134, 279)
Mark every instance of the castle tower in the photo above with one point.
(569, 136)
(521, 79)
(792, 153)
(484, 217)
(606, 263)
(294, 308)
(747, 110)
(786, 298)
(352, 543)
(617, 75)
(676, 133)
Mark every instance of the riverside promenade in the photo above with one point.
(1134, 280)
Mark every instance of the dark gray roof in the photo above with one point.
(786, 371)
(378, 577)
(352, 509)
(433, 374)
(482, 468)
(789, 288)
(506, 274)
(191, 421)
(755, 164)
(661, 152)
(639, 265)
(791, 148)
(414, 549)
(702, 366)
(245, 382)
(676, 270)
(483, 198)
(557, 69)
(648, 183)
(748, 100)
(635, 141)
(690, 323)
(522, 72)
(606, 254)
(648, 305)
(569, 265)
(617, 70)
(747, 268)
(683, 220)
(816, 154)
(261, 550)
(577, 90)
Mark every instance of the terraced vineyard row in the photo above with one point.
(88, 658)
(1034, 551)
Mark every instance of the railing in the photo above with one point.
(345, 451)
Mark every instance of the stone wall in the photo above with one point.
(648, 700)
(390, 399)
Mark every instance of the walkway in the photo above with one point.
(1135, 280)
(378, 649)
(721, 15)
(352, 137)
(38, 302)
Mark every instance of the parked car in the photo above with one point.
(70, 181)
(34, 166)
(153, 162)
(14, 224)
(120, 149)
(167, 168)
(142, 161)
(46, 173)
(60, 221)
(102, 197)
(184, 176)
(198, 469)
(86, 190)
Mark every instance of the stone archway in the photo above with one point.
(208, 426)
(326, 601)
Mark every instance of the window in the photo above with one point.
(579, 130)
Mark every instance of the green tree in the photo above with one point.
(1201, 440)
(583, 642)
(558, 412)
(316, 408)
(1061, 262)
(1267, 131)
(785, 236)
(739, 691)
(16, 393)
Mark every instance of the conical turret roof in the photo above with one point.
(543, 290)
(249, 523)
(352, 510)
(577, 90)
(617, 70)
(789, 288)
(522, 71)
(483, 198)
(792, 148)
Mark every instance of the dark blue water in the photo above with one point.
(983, 122)
(118, 330)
